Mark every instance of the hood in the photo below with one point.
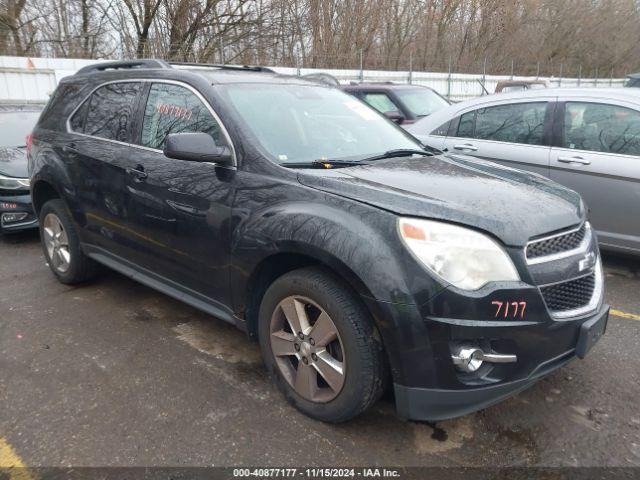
(13, 162)
(511, 204)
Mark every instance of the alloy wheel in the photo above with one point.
(56, 243)
(307, 348)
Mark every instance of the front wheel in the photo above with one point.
(320, 345)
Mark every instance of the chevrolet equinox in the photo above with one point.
(355, 258)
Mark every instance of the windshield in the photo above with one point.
(15, 126)
(301, 124)
(421, 101)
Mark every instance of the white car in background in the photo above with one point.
(585, 139)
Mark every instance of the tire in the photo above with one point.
(356, 348)
(55, 218)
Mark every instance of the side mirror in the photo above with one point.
(395, 116)
(196, 147)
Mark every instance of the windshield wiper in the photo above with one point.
(336, 162)
(325, 163)
(329, 162)
(399, 152)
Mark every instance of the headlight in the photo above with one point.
(465, 258)
(10, 183)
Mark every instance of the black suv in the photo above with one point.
(404, 104)
(312, 222)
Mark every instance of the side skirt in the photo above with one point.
(162, 284)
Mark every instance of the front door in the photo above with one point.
(598, 155)
(181, 207)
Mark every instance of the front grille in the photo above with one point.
(569, 295)
(557, 244)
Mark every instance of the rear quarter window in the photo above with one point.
(465, 127)
(442, 130)
(61, 104)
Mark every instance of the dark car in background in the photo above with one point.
(357, 259)
(16, 124)
(404, 104)
(520, 85)
(633, 80)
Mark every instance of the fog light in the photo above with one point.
(8, 218)
(470, 359)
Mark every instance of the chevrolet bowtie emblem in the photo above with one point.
(588, 261)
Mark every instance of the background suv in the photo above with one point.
(404, 104)
(356, 259)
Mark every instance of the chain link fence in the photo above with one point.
(33, 79)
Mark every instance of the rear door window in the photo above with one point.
(601, 128)
(77, 119)
(175, 109)
(109, 111)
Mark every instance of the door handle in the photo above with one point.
(138, 174)
(71, 148)
(466, 146)
(580, 160)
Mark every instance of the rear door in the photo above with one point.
(515, 134)
(100, 132)
(598, 155)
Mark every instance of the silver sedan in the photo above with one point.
(585, 139)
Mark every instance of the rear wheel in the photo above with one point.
(320, 345)
(61, 245)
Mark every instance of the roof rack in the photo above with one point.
(364, 82)
(125, 64)
(240, 68)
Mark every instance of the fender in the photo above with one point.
(347, 237)
(339, 236)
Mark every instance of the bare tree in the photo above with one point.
(429, 34)
(143, 13)
(17, 33)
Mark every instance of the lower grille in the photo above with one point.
(569, 295)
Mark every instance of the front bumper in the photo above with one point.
(420, 341)
(433, 404)
(20, 205)
(515, 332)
